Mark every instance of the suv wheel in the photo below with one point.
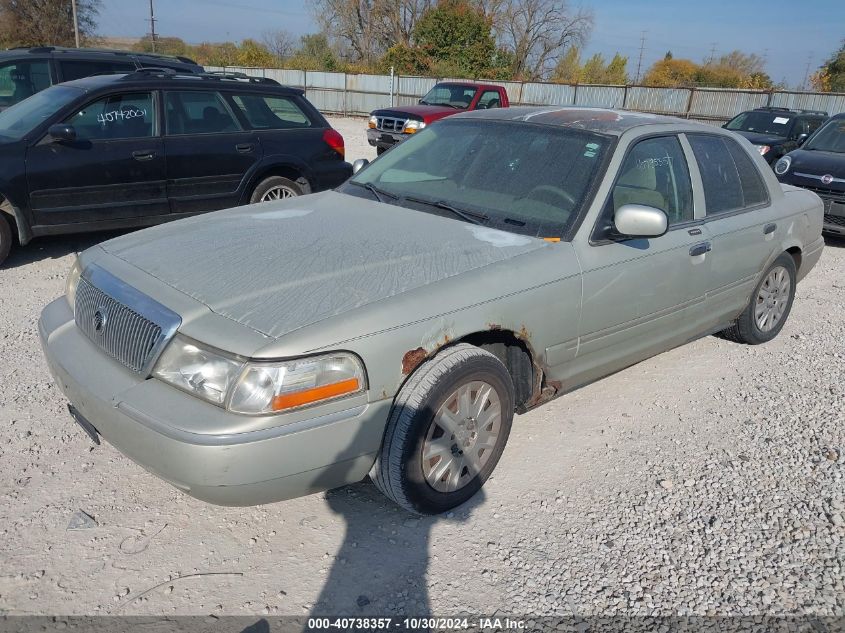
(769, 307)
(447, 430)
(5, 237)
(275, 188)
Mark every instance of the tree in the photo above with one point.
(315, 53)
(46, 22)
(538, 32)
(568, 69)
(164, 45)
(671, 72)
(254, 54)
(594, 71)
(280, 43)
(831, 76)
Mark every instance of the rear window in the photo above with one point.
(271, 112)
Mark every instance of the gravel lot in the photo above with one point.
(708, 480)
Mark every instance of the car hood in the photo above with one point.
(421, 112)
(817, 163)
(761, 139)
(277, 267)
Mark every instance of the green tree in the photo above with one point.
(163, 45)
(46, 22)
(831, 76)
(315, 53)
(568, 69)
(254, 54)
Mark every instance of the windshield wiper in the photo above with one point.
(378, 193)
(470, 216)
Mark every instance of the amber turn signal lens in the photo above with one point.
(323, 392)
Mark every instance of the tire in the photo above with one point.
(752, 328)
(285, 188)
(402, 473)
(6, 237)
(381, 150)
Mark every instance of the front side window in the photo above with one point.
(655, 174)
(20, 80)
(78, 69)
(731, 181)
(489, 99)
(454, 96)
(829, 138)
(271, 112)
(194, 112)
(120, 116)
(528, 179)
(762, 122)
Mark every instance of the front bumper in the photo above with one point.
(379, 138)
(834, 216)
(141, 417)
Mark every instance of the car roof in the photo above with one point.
(603, 120)
(151, 78)
(93, 53)
(474, 84)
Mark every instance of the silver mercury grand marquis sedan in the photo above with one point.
(393, 327)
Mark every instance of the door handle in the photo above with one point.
(143, 155)
(769, 228)
(700, 249)
(244, 148)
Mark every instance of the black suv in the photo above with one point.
(819, 165)
(25, 71)
(128, 150)
(776, 131)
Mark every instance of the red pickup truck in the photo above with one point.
(392, 125)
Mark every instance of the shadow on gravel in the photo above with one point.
(56, 247)
(834, 241)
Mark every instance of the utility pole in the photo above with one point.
(640, 60)
(152, 26)
(75, 23)
(807, 72)
(712, 52)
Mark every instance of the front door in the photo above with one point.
(208, 152)
(638, 294)
(114, 170)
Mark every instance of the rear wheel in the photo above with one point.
(5, 237)
(275, 188)
(447, 430)
(769, 307)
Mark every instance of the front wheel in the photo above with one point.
(769, 307)
(447, 430)
(5, 237)
(275, 188)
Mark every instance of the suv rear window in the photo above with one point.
(271, 112)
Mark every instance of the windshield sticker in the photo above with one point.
(121, 115)
(498, 238)
(780, 120)
(590, 150)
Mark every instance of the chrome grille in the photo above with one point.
(390, 124)
(126, 324)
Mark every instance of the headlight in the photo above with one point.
(782, 166)
(763, 149)
(373, 122)
(413, 126)
(197, 369)
(275, 387)
(72, 282)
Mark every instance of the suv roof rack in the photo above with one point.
(775, 109)
(112, 51)
(170, 73)
(818, 112)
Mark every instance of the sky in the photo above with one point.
(789, 34)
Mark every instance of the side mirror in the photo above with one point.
(62, 133)
(801, 138)
(359, 164)
(638, 220)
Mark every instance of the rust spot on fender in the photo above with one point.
(495, 327)
(523, 334)
(412, 359)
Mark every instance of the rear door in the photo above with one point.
(113, 171)
(208, 152)
(744, 226)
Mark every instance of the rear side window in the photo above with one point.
(78, 69)
(22, 79)
(753, 188)
(116, 117)
(722, 186)
(489, 99)
(271, 112)
(191, 112)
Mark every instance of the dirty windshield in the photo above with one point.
(521, 177)
(23, 117)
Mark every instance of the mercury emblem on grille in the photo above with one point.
(100, 318)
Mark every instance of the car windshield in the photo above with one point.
(515, 176)
(452, 95)
(774, 123)
(829, 138)
(23, 117)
